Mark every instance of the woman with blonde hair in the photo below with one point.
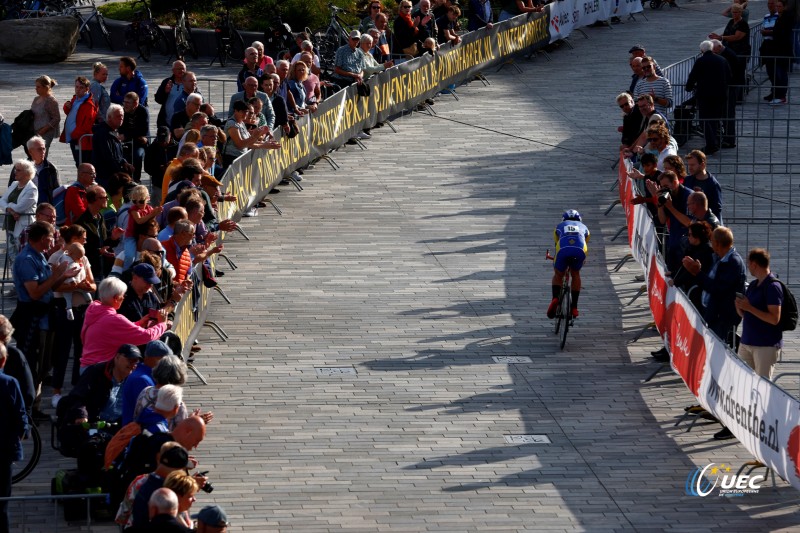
(46, 114)
(185, 487)
(100, 95)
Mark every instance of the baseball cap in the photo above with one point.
(355, 34)
(162, 134)
(147, 273)
(213, 515)
(636, 48)
(130, 351)
(176, 457)
(156, 349)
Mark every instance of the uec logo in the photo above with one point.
(697, 484)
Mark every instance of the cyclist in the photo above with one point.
(571, 237)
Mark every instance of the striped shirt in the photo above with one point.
(660, 87)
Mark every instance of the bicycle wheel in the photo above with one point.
(559, 315)
(236, 47)
(143, 45)
(31, 453)
(101, 23)
(179, 42)
(85, 31)
(566, 312)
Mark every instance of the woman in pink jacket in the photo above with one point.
(104, 330)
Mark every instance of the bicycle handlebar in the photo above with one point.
(548, 256)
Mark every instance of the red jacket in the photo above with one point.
(87, 113)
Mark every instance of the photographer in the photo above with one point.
(672, 198)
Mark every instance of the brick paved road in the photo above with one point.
(415, 264)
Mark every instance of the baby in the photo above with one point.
(73, 254)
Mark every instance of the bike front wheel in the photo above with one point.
(31, 453)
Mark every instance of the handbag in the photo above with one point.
(412, 50)
(293, 129)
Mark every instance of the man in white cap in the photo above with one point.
(349, 65)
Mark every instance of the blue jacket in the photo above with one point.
(13, 419)
(123, 86)
(139, 379)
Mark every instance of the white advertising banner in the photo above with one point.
(566, 15)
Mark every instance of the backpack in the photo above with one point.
(22, 128)
(789, 314)
(120, 441)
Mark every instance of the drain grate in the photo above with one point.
(527, 439)
(512, 359)
(334, 371)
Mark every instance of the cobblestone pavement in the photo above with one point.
(414, 265)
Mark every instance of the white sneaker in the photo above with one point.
(363, 135)
(54, 400)
(297, 177)
(778, 101)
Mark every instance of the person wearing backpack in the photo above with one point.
(760, 308)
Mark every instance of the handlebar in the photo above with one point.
(548, 256)
(337, 9)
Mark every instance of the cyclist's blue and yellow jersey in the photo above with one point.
(571, 237)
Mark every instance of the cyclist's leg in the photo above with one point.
(559, 267)
(577, 263)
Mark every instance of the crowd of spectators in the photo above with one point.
(686, 204)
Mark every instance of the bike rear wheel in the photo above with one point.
(559, 315)
(566, 313)
(31, 453)
(85, 32)
(101, 23)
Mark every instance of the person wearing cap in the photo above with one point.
(349, 65)
(212, 519)
(142, 377)
(99, 389)
(140, 300)
(171, 457)
(159, 154)
(104, 329)
(637, 50)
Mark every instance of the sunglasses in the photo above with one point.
(626, 104)
(140, 202)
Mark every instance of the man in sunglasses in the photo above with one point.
(656, 86)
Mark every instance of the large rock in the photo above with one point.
(38, 40)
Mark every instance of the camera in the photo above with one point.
(662, 197)
(207, 487)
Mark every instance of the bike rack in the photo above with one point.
(642, 290)
(613, 204)
(628, 257)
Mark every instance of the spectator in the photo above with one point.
(135, 484)
(67, 333)
(249, 69)
(107, 154)
(208, 109)
(17, 364)
(250, 90)
(134, 130)
(406, 33)
(368, 21)
(141, 305)
(383, 47)
(699, 179)
(140, 212)
(185, 487)
(448, 26)
(212, 519)
(263, 60)
(370, 65)
(760, 309)
(269, 85)
(480, 15)
(100, 95)
(75, 203)
(783, 42)
(46, 116)
(699, 248)
(18, 204)
(307, 47)
(647, 109)
(168, 92)
(175, 458)
(736, 37)
(727, 12)
(46, 176)
(512, 8)
(180, 119)
(13, 427)
(44, 213)
(312, 84)
(298, 74)
(669, 209)
(187, 151)
(635, 63)
(240, 139)
(675, 164)
(99, 389)
(192, 132)
(104, 329)
(282, 70)
(158, 417)
(81, 114)
(658, 138)
(129, 80)
(720, 284)
(98, 243)
(709, 79)
(654, 85)
(177, 248)
(159, 155)
(142, 377)
(767, 50)
(631, 121)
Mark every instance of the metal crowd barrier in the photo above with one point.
(54, 525)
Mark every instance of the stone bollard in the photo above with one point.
(38, 40)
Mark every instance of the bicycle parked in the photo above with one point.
(182, 35)
(84, 11)
(146, 33)
(327, 40)
(230, 44)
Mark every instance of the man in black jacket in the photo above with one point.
(107, 156)
(710, 78)
(134, 130)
